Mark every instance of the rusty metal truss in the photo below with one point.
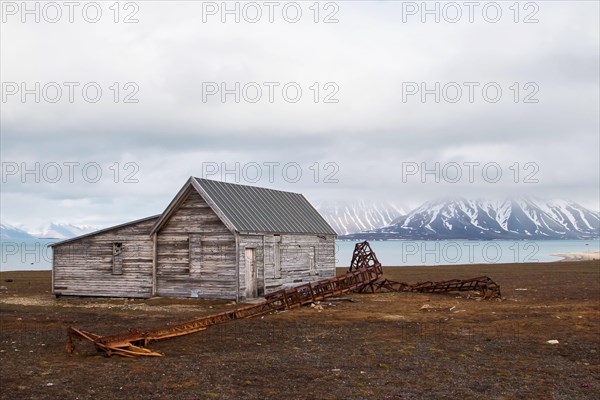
(364, 274)
(484, 286)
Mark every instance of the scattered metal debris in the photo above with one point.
(485, 286)
(365, 273)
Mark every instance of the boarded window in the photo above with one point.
(195, 258)
(117, 258)
(277, 257)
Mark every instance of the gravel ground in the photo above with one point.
(377, 346)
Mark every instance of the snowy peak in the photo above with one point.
(524, 218)
(62, 231)
(12, 232)
(48, 231)
(351, 217)
(570, 215)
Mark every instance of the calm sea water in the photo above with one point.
(449, 252)
(37, 255)
(19, 254)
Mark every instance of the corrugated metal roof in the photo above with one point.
(255, 209)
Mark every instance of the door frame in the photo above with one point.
(251, 273)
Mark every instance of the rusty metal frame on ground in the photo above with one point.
(365, 273)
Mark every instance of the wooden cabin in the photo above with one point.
(214, 240)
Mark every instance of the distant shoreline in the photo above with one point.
(578, 256)
(566, 257)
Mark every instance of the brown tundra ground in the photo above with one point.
(377, 346)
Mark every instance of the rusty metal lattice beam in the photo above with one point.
(365, 273)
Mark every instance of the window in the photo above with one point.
(117, 259)
(277, 257)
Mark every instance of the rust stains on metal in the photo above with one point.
(365, 273)
(483, 285)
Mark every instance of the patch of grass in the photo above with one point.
(407, 350)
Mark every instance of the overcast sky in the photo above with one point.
(375, 126)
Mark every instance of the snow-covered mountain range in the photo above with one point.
(525, 218)
(352, 217)
(62, 231)
(48, 231)
(460, 218)
(12, 232)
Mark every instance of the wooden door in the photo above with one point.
(251, 274)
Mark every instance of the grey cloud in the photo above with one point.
(368, 134)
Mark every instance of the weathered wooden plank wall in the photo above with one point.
(213, 274)
(288, 260)
(84, 267)
(195, 256)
